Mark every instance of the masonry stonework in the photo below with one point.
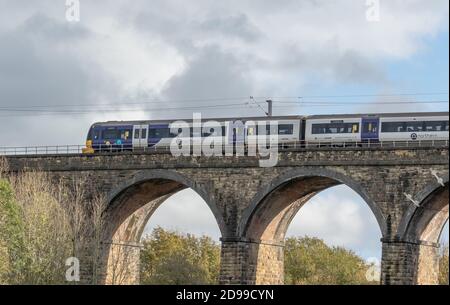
(253, 206)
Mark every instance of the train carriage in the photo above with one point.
(414, 128)
(321, 130)
(375, 128)
(136, 135)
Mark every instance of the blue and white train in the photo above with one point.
(302, 130)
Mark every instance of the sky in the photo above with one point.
(135, 59)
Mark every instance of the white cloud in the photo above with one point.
(341, 218)
(186, 212)
(279, 46)
(445, 234)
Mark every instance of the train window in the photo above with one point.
(125, 134)
(214, 132)
(268, 126)
(285, 129)
(111, 134)
(206, 133)
(319, 128)
(393, 127)
(144, 133)
(96, 134)
(414, 126)
(335, 128)
(176, 134)
(369, 128)
(159, 133)
(436, 126)
(137, 133)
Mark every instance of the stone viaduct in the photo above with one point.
(406, 189)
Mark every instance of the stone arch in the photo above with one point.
(123, 264)
(408, 228)
(318, 179)
(265, 222)
(422, 227)
(130, 206)
(167, 182)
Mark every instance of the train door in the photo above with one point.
(140, 136)
(235, 132)
(370, 129)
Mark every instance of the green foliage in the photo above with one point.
(11, 235)
(35, 235)
(443, 266)
(311, 261)
(169, 257)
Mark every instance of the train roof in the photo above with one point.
(359, 115)
(290, 117)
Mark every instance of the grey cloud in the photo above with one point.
(161, 22)
(211, 74)
(33, 74)
(235, 26)
(38, 67)
(186, 32)
(33, 71)
(331, 63)
(353, 67)
(53, 31)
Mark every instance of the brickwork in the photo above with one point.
(253, 206)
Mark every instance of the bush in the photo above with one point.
(169, 257)
(311, 261)
(443, 265)
(42, 224)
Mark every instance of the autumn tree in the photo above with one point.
(42, 224)
(443, 265)
(169, 257)
(310, 261)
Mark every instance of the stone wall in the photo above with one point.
(253, 206)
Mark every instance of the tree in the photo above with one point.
(443, 266)
(34, 230)
(311, 261)
(42, 224)
(11, 235)
(168, 257)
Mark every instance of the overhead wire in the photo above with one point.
(245, 102)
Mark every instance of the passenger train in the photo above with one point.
(303, 130)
